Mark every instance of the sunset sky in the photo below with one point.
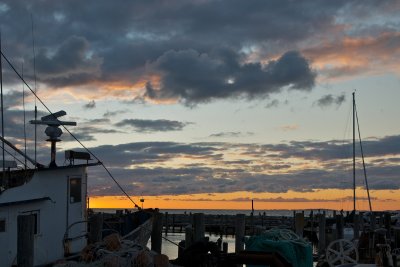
(210, 104)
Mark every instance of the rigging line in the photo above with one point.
(65, 128)
(169, 240)
(23, 105)
(13, 156)
(363, 162)
(2, 107)
(34, 75)
(354, 155)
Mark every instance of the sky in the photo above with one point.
(211, 104)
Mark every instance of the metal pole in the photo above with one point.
(354, 155)
(34, 74)
(2, 108)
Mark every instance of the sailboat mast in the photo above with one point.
(354, 154)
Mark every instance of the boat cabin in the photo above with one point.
(57, 198)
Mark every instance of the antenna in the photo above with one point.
(2, 107)
(23, 105)
(34, 75)
(52, 131)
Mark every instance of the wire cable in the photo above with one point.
(65, 128)
(363, 161)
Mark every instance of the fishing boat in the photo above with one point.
(44, 207)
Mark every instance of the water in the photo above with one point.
(286, 213)
(170, 242)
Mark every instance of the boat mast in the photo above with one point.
(2, 108)
(34, 75)
(354, 154)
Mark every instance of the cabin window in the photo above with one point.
(75, 190)
(2, 225)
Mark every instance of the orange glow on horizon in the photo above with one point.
(319, 199)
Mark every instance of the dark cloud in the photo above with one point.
(254, 172)
(114, 113)
(148, 126)
(152, 152)
(194, 45)
(71, 63)
(213, 76)
(87, 133)
(90, 105)
(274, 103)
(231, 134)
(329, 100)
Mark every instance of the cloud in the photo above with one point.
(70, 62)
(114, 113)
(297, 166)
(351, 56)
(273, 104)
(329, 100)
(231, 134)
(213, 76)
(287, 128)
(90, 105)
(148, 126)
(81, 45)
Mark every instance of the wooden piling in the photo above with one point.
(299, 224)
(240, 227)
(156, 233)
(356, 226)
(396, 231)
(199, 226)
(339, 226)
(388, 221)
(372, 221)
(173, 223)
(225, 247)
(312, 224)
(166, 223)
(188, 235)
(96, 228)
(25, 240)
(322, 238)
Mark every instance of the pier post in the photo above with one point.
(294, 221)
(156, 233)
(199, 226)
(396, 231)
(188, 236)
(166, 223)
(96, 228)
(339, 226)
(372, 221)
(312, 226)
(299, 224)
(225, 247)
(322, 239)
(25, 240)
(361, 221)
(388, 221)
(240, 227)
(356, 226)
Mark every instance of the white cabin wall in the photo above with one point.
(52, 183)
